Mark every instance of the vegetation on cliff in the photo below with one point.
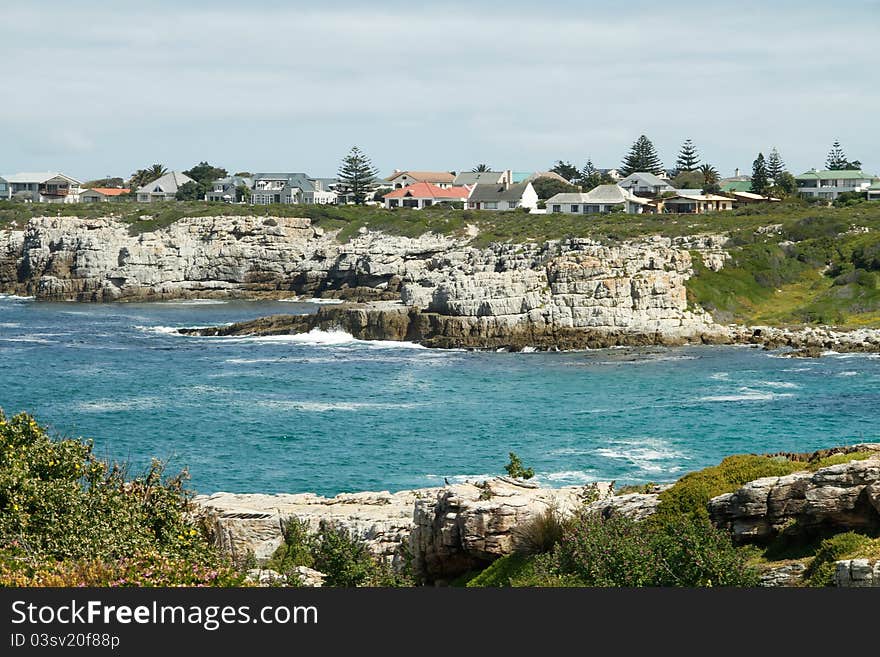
(68, 518)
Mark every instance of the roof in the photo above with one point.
(646, 178)
(751, 196)
(522, 176)
(840, 174)
(301, 180)
(167, 184)
(875, 185)
(567, 197)
(737, 186)
(427, 190)
(424, 176)
(612, 194)
(108, 191)
(498, 192)
(39, 177)
(697, 197)
(478, 177)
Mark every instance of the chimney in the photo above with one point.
(736, 172)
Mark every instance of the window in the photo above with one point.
(557, 208)
(511, 205)
(491, 205)
(574, 208)
(591, 209)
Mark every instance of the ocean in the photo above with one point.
(326, 413)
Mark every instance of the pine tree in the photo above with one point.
(775, 165)
(590, 176)
(760, 183)
(688, 158)
(642, 157)
(357, 174)
(836, 159)
(565, 169)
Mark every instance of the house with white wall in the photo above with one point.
(163, 188)
(225, 190)
(101, 194)
(422, 195)
(4, 189)
(694, 203)
(644, 184)
(503, 196)
(874, 191)
(442, 179)
(289, 188)
(45, 187)
(828, 185)
(601, 199)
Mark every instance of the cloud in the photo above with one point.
(293, 87)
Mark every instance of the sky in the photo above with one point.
(94, 88)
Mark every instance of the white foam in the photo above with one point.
(313, 300)
(323, 407)
(318, 338)
(566, 476)
(15, 297)
(462, 478)
(720, 376)
(111, 405)
(528, 350)
(162, 330)
(194, 302)
(848, 373)
(778, 384)
(35, 339)
(746, 394)
(9, 325)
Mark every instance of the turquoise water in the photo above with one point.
(326, 413)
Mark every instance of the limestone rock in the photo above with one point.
(857, 573)
(789, 574)
(840, 497)
(636, 506)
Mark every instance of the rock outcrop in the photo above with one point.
(836, 498)
(441, 532)
(857, 573)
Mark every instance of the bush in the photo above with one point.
(617, 551)
(540, 534)
(821, 569)
(516, 470)
(691, 493)
(64, 515)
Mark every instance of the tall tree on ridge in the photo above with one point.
(688, 158)
(481, 168)
(775, 165)
(642, 157)
(760, 183)
(710, 179)
(590, 177)
(565, 169)
(836, 159)
(357, 174)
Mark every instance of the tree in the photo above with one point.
(546, 187)
(642, 157)
(379, 194)
(143, 176)
(356, 175)
(104, 182)
(516, 470)
(481, 168)
(836, 159)
(190, 191)
(243, 174)
(565, 169)
(710, 179)
(784, 184)
(760, 183)
(775, 165)
(688, 158)
(242, 193)
(688, 180)
(590, 177)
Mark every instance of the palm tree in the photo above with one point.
(157, 171)
(143, 176)
(480, 168)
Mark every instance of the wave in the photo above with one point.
(113, 405)
(778, 384)
(647, 455)
(35, 339)
(313, 300)
(15, 297)
(194, 302)
(319, 338)
(9, 325)
(745, 394)
(848, 373)
(566, 477)
(461, 478)
(323, 407)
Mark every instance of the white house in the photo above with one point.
(289, 188)
(503, 196)
(48, 187)
(642, 183)
(4, 189)
(422, 195)
(829, 185)
(695, 203)
(604, 198)
(442, 179)
(874, 191)
(101, 194)
(163, 188)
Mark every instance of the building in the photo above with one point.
(163, 188)
(694, 203)
(747, 198)
(101, 194)
(874, 191)
(503, 196)
(471, 178)
(5, 190)
(48, 187)
(828, 185)
(522, 176)
(422, 195)
(225, 190)
(732, 186)
(604, 198)
(289, 188)
(644, 184)
(442, 179)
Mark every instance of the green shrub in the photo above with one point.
(63, 511)
(691, 493)
(516, 470)
(500, 572)
(821, 569)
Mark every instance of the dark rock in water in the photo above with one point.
(805, 352)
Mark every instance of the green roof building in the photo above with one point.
(829, 185)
